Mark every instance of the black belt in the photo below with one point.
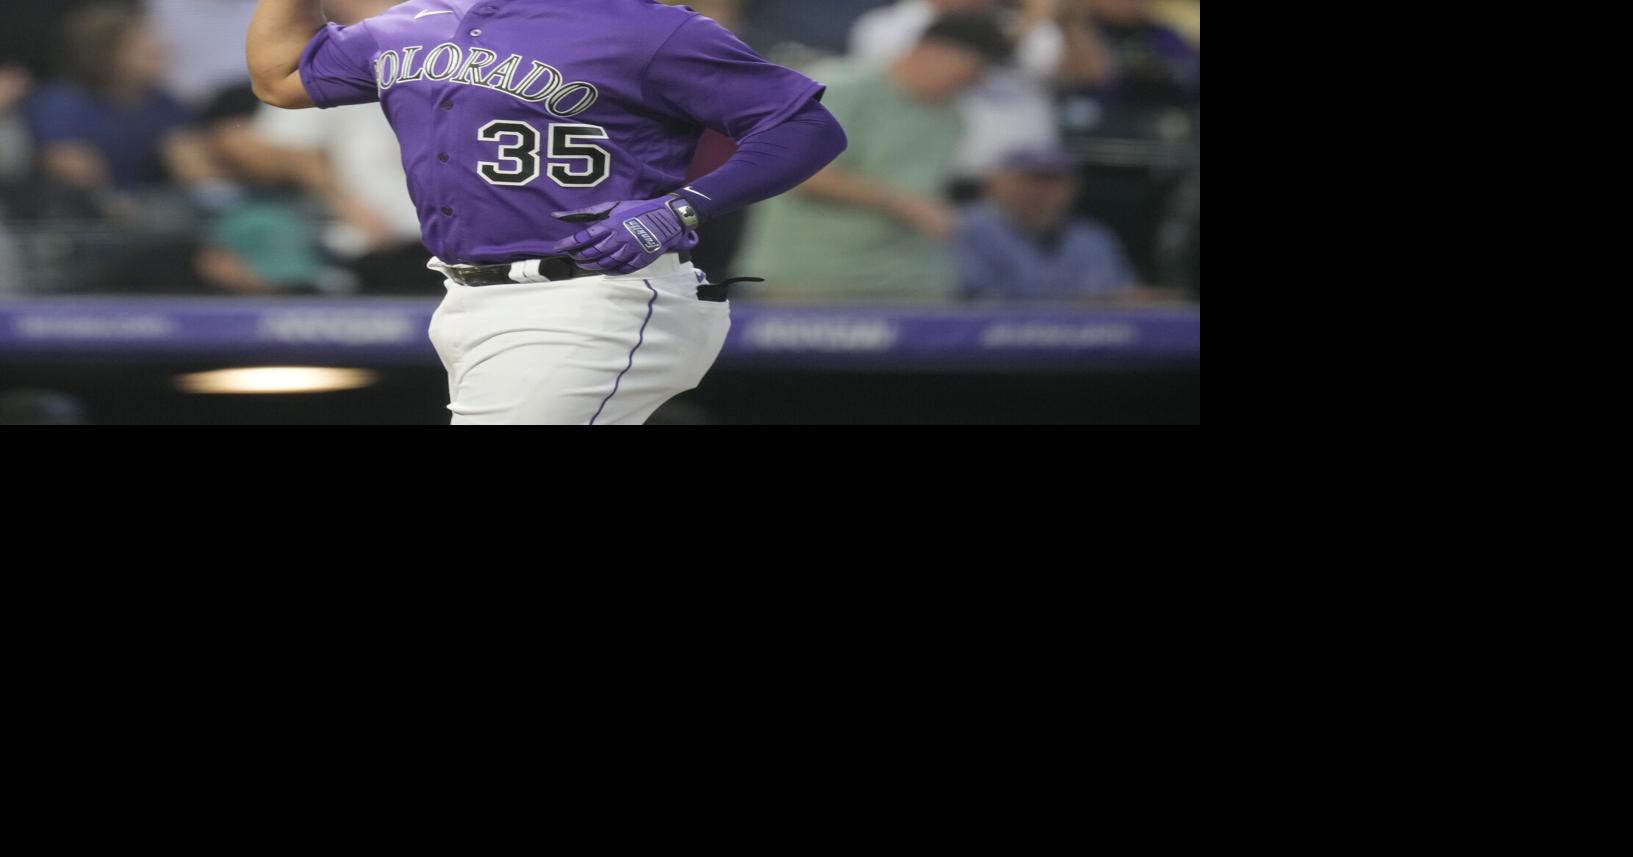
(553, 268)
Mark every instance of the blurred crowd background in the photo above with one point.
(1030, 150)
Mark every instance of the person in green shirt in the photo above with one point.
(875, 224)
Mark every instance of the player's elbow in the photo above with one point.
(268, 94)
(826, 138)
(838, 140)
(280, 99)
(286, 92)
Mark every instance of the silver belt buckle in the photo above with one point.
(459, 272)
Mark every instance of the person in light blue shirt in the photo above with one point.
(1021, 242)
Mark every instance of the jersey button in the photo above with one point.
(476, 33)
(443, 157)
(448, 104)
(447, 212)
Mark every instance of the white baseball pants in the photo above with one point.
(603, 350)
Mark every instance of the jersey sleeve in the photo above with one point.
(337, 67)
(706, 75)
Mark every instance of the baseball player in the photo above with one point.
(546, 144)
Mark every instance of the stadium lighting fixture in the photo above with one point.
(263, 380)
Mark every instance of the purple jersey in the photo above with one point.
(511, 110)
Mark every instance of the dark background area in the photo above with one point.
(145, 394)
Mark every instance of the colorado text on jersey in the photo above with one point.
(449, 63)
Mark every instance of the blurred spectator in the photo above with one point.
(775, 25)
(874, 223)
(31, 30)
(1139, 137)
(349, 158)
(267, 241)
(884, 34)
(16, 150)
(24, 192)
(205, 42)
(1013, 107)
(1021, 242)
(1154, 65)
(109, 128)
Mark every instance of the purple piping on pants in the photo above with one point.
(638, 343)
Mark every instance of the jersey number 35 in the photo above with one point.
(573, 163)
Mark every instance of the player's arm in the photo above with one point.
(772, 161)
(705, 75)
(278, 34)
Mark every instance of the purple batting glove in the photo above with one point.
(625, 237)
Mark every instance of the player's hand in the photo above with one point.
(625, 236)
